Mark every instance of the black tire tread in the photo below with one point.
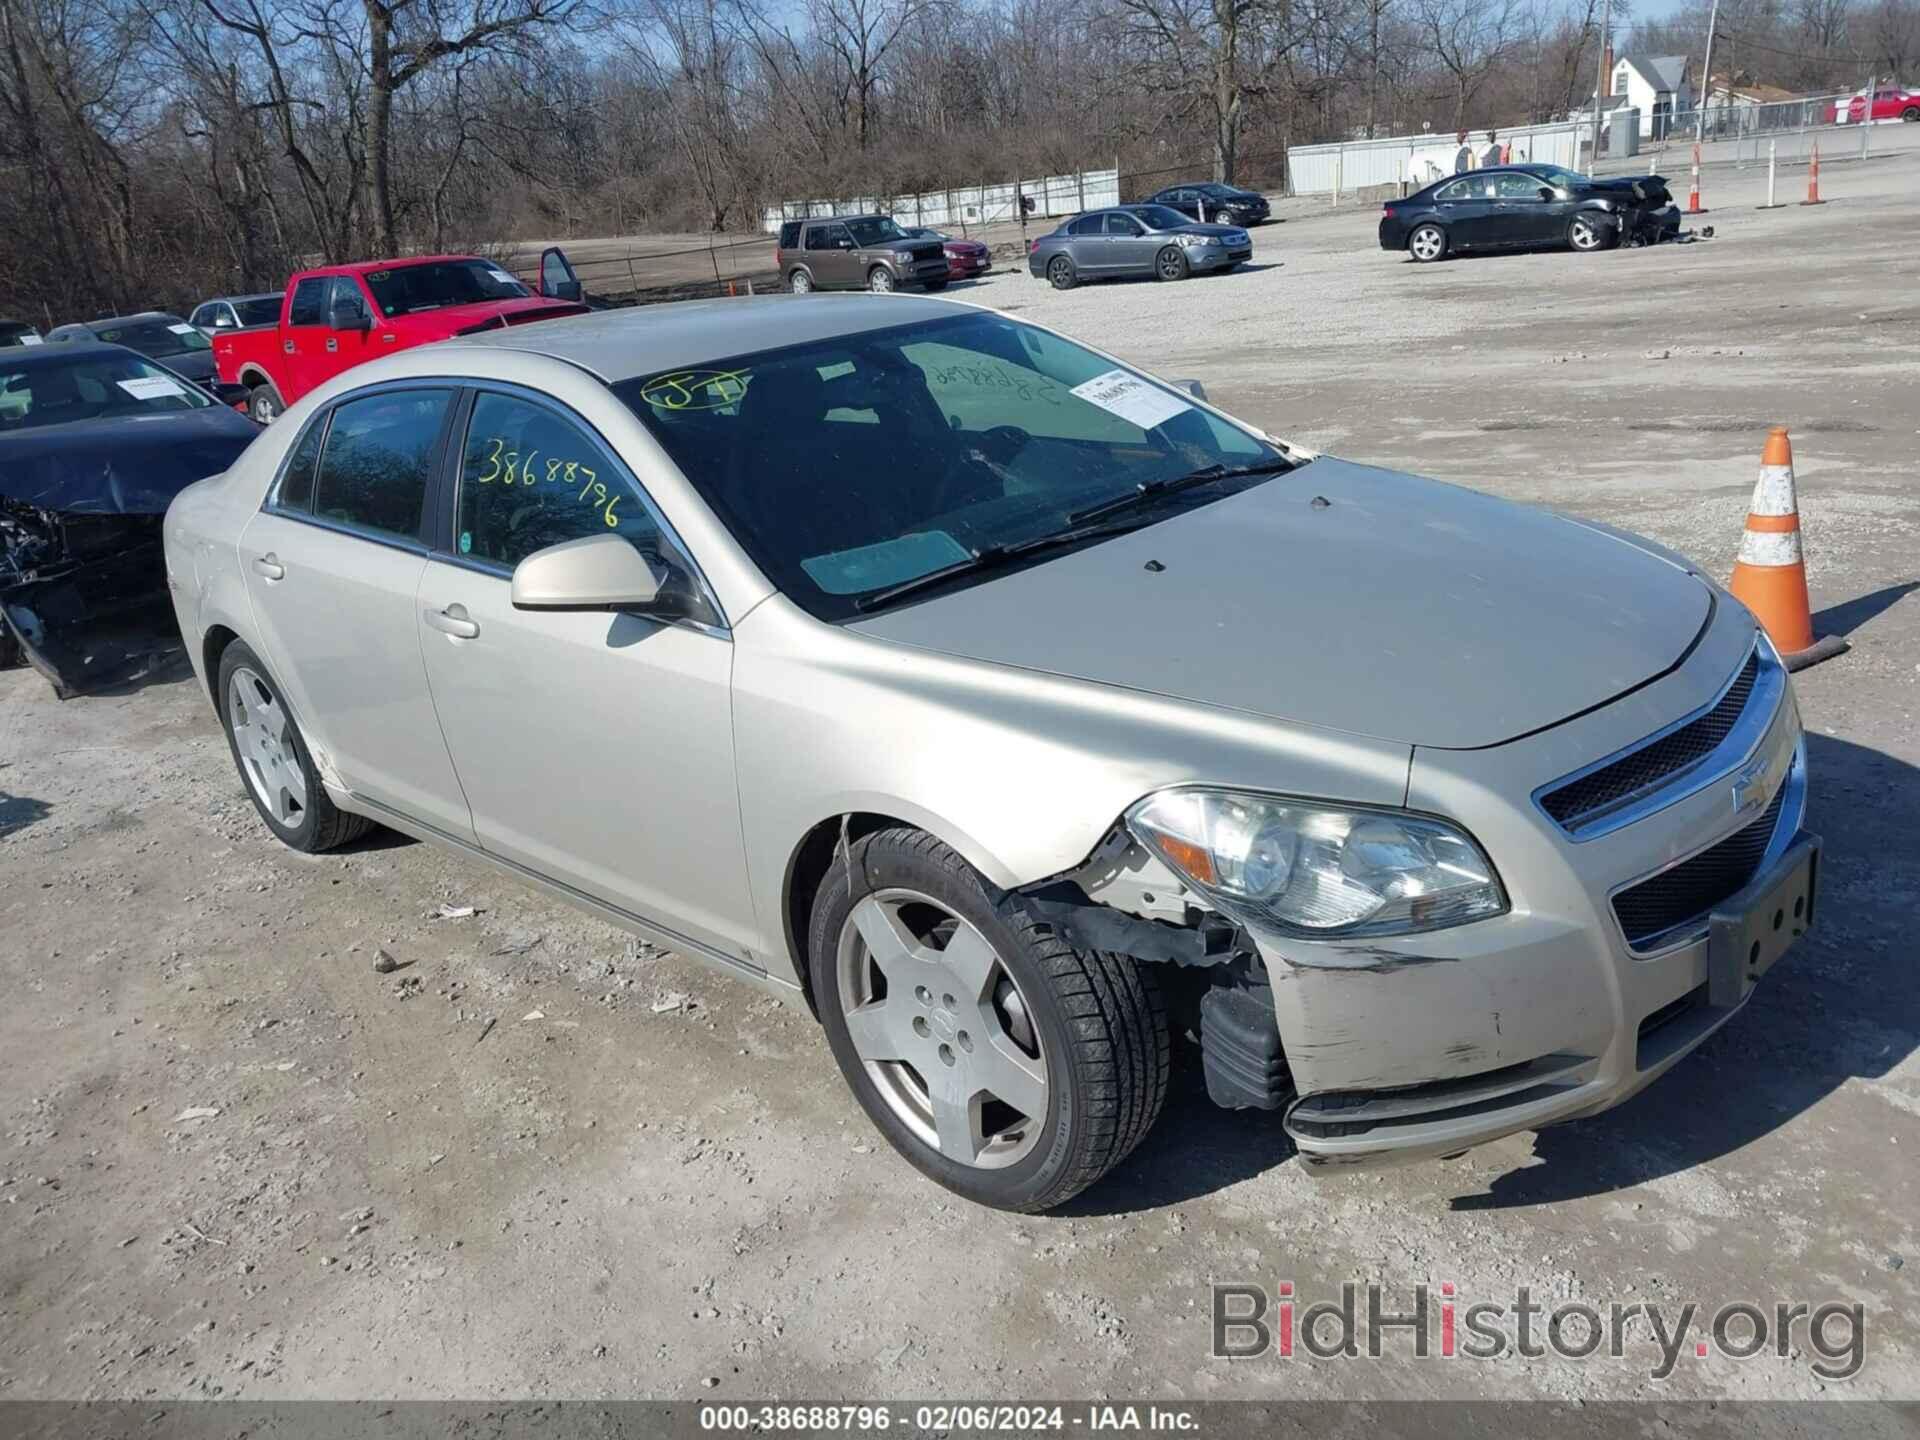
(1114, 1007)
(332, 826)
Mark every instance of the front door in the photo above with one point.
(1129, 246)
(333, 566)
(1526, 210)
(830, 255)
(596, 749)
(343, 349)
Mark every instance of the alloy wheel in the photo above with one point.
(880, 281)
(800, 282)
(1060, 272)
(263, 738)
(1583, 235)
(1170, 264)
(1426, 243)
(942, 1029)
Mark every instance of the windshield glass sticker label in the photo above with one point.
(1131, 398)
(509, 468)
(29, 339)
(150, 387)
(183, 329)
(848, 572)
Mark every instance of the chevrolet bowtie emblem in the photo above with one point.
(1750, 788)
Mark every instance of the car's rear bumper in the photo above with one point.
(1393, 233)
(966, 267)
(1427, 1045)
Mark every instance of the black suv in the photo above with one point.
(856, 252)
(1210, 200)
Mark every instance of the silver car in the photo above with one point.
(1015, 711)
(1135, 240)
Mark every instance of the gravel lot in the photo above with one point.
(542, 1159)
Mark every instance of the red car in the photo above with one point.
(1894, 102)
(340, 316)
(965, 258)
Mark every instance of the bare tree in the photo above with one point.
(1469, 38)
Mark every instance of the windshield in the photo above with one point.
(851, 465)
(260, 310)
(90, 387)
(158, 338)
(1160, 217)
(407, 289)
(875, 231)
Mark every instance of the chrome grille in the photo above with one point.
(1693, 887)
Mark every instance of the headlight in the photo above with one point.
(1199, 239)
(1317, 870)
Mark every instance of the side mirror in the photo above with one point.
(348, 315)
(1193, 388)
(843, 243)
(601, 572)
(228, 393)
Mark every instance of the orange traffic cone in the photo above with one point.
(1694, 207)
(1770, 577)
(1813, 178)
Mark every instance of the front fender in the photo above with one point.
(1022, 773)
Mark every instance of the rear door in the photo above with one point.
(1087, 244)
(332, 566)
(597, 749)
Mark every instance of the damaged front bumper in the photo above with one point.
(83, 596)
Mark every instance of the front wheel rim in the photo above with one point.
(1584, 237)
(1170, 265)
(263, 739)
(1426, 244)
(943, 1030)
(880, 281)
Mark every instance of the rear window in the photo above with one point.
(262, 310)
(409, 289)
(790, 235)
(94, 387)
(374, 466)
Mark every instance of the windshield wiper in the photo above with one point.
(994, 557)
(1151, 490)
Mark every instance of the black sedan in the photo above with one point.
(95, 441)
(1135, 240)
(1514, 207)
(1210, 200)
(156, 335)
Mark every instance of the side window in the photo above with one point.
(296, 481)
(345, 290)
(820, 237)
(374, 465)
(1508, 186)
(309, 302)
(789, 235)
(1118, 224)
(1087, 225)
(1458, 190)
(530, 478)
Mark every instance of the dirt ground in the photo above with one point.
(544, 1160)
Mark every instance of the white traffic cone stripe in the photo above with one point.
(1774, 494)
(1763, 547)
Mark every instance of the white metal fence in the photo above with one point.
(966, 205)
(1347, 165)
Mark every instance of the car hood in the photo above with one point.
(965, 247)
(193, 364)
(130, 465)
(1402, 609)
(1197, 228)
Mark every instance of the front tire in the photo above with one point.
(1587, 235)
(1060, 273)
(880, 280)
(997, 1059)
(1224, 217)
(264, 404)
(1427, 244)
(1170, 264)
(276, 769)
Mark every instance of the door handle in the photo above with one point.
(454, 621)
(333, 345)
(287, 346)
(269, 565)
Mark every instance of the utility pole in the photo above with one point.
(1706, 76)
(1600, 81)
(1866, 116)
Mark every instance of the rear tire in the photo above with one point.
(1061, 274)
(1427, 244)
(276, 769)
(264, 404)
(1086, 1031)
(1170, 264)
(800, 282)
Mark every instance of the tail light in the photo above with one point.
(1032, 245)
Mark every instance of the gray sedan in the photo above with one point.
(1135, 240)
(1015, 713)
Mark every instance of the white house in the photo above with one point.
(1659, 87)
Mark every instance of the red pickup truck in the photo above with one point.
(343, 315)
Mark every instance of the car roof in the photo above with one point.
(621, 344)
(63, 351)
(161, 315)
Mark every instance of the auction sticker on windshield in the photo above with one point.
(150, 387)
(1131, 398)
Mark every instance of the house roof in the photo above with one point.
(1760, 94)
(1662, 72)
